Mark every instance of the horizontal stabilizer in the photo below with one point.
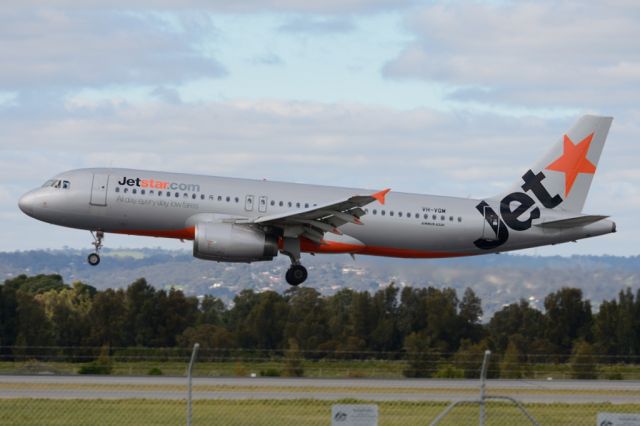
(572, 222)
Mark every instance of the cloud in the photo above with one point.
(245, 6)
(317, 25)
(527, 53)
(269, 58)
(62, 50)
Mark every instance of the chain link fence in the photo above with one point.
(81, 386)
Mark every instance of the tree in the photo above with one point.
(266, 321)
(307, 319)
(470, 313)
(605, 329)
(212, 311)
(442, 318)
(516, 318)
(511, 366)
(107, 319)
(422, 356)
(32, 325)
(212, 338)
(385, 335)
(568, 318)
(293, 360)
(470, 356)
(583, 362)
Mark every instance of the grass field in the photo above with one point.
(275, 412)
(321, 368)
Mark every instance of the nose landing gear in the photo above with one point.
(94, 258)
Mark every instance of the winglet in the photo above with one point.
(380, 195)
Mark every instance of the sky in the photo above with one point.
(440, 97)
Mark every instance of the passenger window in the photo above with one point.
(117, 189)
(391, 213)
(219, 197)
(228, 199)
(426, 216)
(177, 194)
(399, 214)
(126, 190)
(211, 197)
(366, 210)
(168, 194)
(298, 205)
(273, 203)
(459, 219)
(382, 212)
(375, 211)
(289, 203)
(159, 193)
(151, 192)
(142, 191)
(306, 205)
(417, 215)
(134, 191)
(280, 203)
(442, 217)
(450, 218)
(193, 196)
(237, 199)
(434, 217)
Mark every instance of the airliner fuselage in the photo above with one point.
(246, 220)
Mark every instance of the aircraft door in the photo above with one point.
(492, 223)
(248, 203)
(99, 188)
(262, 204)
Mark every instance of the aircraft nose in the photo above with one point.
(26, 203)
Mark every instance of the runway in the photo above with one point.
(172, 388)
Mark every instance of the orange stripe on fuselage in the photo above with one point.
(183, 234)
(336, 248)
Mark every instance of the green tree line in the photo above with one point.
(417, 324)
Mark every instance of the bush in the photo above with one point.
(582, 362)
(448, 371)
(270, 372)
(155, 371)
(102, 365)
(293, 360)
(95, 368)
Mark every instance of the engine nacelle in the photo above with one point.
(228, 242)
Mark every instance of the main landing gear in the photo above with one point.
(94, 258)
(296, 274)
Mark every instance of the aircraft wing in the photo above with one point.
(313, 222)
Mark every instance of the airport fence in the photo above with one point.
(80, 386)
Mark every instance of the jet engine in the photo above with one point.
(228, 242)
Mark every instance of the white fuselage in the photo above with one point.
(161, 204)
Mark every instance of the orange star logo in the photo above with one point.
(573, 161)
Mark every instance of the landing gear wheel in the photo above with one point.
(296, 275)
(93, 259)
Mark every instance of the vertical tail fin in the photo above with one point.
(561, 179)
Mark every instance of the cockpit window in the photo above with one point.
(57, 183)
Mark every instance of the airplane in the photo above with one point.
(242, 220)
